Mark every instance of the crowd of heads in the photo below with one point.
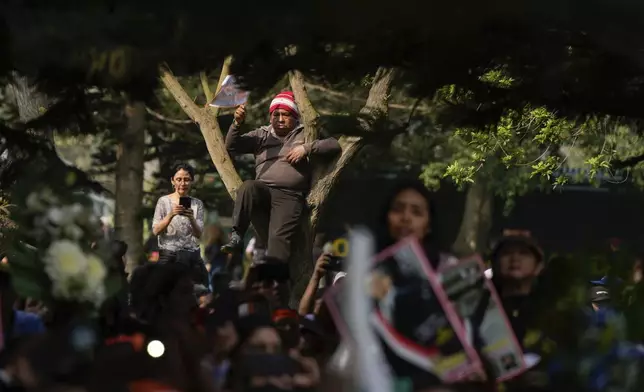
(165, 331)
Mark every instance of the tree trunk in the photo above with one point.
(477, 220)
(128, 222)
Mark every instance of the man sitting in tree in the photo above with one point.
(283, 168)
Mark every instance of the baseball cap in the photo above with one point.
(599, 294)
(518, 240)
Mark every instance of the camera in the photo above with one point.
(336, 264)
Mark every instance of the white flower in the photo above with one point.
(53, 231)
(95, 272)
(56, 216)
(94, 290)
(34, 203)
(48, 196)
(93, 220)
(65, 263)
(73, 232)
(75, 209)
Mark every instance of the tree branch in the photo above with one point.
(377, 100)
(307, 112)
(339, 96)
(210, 130)
(225, 71)
(375, 108)
(205, 85)
(163, 118)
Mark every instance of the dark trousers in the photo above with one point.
(192, 259)
(277, 209)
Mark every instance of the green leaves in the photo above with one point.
(27, 287)
(498, 77)
(459, 173)
(525, 146)
(27, 274)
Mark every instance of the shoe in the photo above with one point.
(258, 255)
(235, 244)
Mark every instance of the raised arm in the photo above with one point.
(238, 143)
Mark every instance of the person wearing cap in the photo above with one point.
(277, 195)
(599, 297)
(517, 262)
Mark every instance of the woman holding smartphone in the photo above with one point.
(178, 223)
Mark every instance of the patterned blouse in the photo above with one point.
(178, 234)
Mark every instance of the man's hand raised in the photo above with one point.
(240, 114)
(295, 155)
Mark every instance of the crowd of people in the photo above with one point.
(178, 324)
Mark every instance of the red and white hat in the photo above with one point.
(286, 101)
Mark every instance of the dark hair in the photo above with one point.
(118, 249)
(5, 280)
(183, 166)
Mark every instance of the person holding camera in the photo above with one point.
(178, 223)
(325, 265)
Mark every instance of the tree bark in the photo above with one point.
(477, 220)
(210, 130)
(325, 177)
(30, 101)
(130, 159)
(40, 153)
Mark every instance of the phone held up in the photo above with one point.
(185, 202)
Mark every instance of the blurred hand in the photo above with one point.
(240, 114)
(176, 210)
(380, 285)
(187, 212)
(205, 300)
(309, 377)
(295, 155)
(320, 265)
(267, 289)
(35, 307)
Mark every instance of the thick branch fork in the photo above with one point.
(209, 126)
(376, 107)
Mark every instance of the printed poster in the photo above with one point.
(229, 96)
(483, 319)
(420, 336)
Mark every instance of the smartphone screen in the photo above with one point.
(185, 202)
